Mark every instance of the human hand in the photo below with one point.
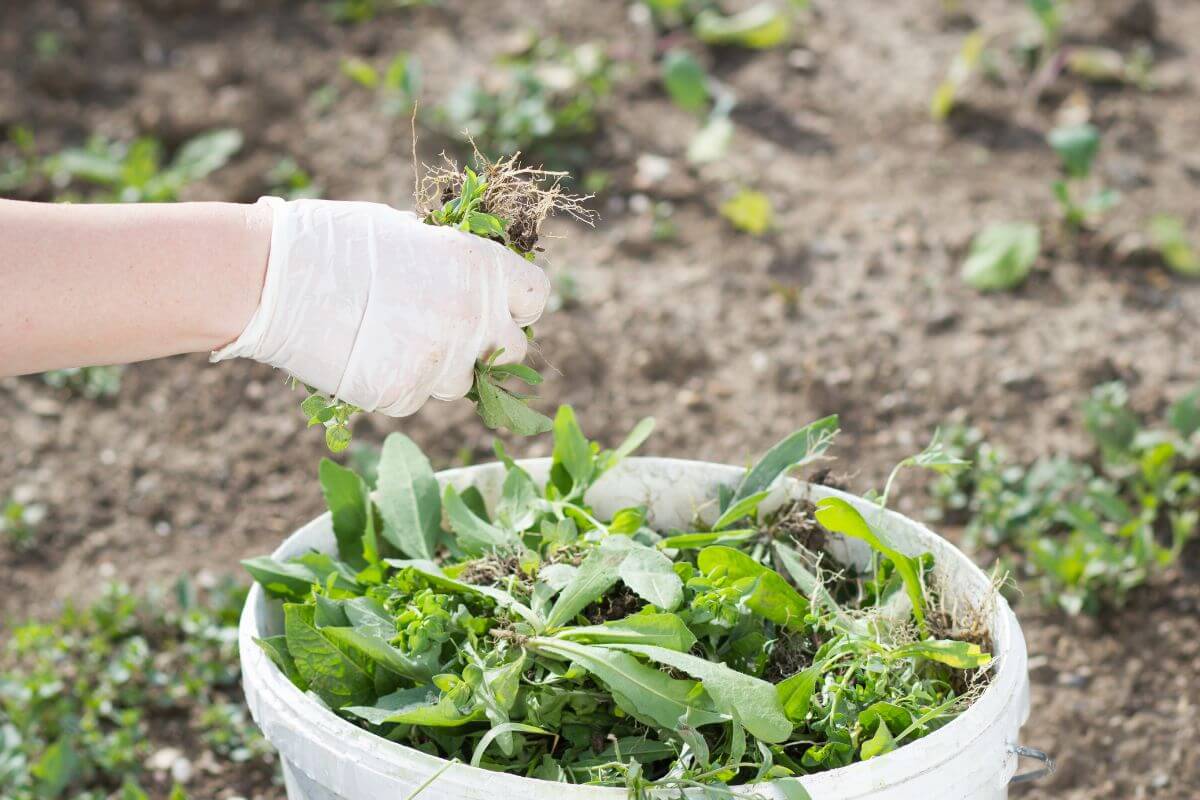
(374, 307)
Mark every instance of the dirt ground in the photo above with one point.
(195, 466)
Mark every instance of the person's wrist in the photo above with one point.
(250, 248)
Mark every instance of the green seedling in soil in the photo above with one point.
(135, 172)
(1049, 17)
(1170, 239)
(398, 86)
(19, 523)
(537, 637)
(762, 26)
(85, 698)
(545, 102)
(1084, 533)
(749, 211)
(507, 203)
(964, 65)
(1076, 146)
(1001, 256)
(90, 382)
(692, 89)
(290, 181)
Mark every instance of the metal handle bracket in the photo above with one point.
(1046, 769)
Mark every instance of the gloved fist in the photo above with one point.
(374, 307)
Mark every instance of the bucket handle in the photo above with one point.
(1047, 767)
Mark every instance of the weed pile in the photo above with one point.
(538, 638)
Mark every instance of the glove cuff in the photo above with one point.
(247, 344)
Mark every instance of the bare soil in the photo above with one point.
(853, 305)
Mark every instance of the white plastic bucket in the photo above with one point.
(327, 758)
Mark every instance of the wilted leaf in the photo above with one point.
(1001, 256)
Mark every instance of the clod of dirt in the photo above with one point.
(492, 570)
(795, 522)
(617, 604)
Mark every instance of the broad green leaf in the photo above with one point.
(517, 508)
(627, 749)
(753, 701)
(878, 744)
(1076, 146)
(498, 732)
(1001, 256)
(500, 409)
(651, 575)
(840, 517)
(495, 688)
(628, 521)
(960, 655)
(433, 573)
(409, 498)
(348, 499)
(360, 72)
(795, 693)
(571, 449)
(276, 649)
(597, 574)
(329, 672)
(759, 27)
(377, 648)
(685, 80)
(800, 448)
(771, 596)
(475, 535)
(749, 211)
(745, 507)
(633, 440)
(285, 580)
(423, 706)
(57, 768)
(661, 630)
(643, 692)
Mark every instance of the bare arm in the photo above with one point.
(109, 284)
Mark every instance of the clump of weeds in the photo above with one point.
(503, 201)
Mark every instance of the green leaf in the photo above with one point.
(753, 701)
(500, 409)
(661, 630)
(572, 450)
(422, 706)
(685, 80)
(643, 692)
(486, 225)
(500, 730)
(337, 438)
(1168, 236)
(332, 675)
(56, 769)
(840, 517)
(633, 440)
(276, 649)
(960, 655)
(796, 450)
(597, 574)
(770, 595)
(749, 211)
(1076, 146)
(1001, 256)
(651, 576)
(878, 744)
(284, 580)
(360, 72)
(205, 154)
(759, 27)
(348, 499)
(628, 521)
(795, 693)
(475, 535)
(695, 541)
(409, 498)
(517, 508)
(1184, 414)
(745, 507)
(368, 641)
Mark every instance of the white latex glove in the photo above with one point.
(374, 307)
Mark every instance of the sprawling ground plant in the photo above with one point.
(83, 698)
(507, 203)
(538, 638)
(90, 382)
(1084, 533)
